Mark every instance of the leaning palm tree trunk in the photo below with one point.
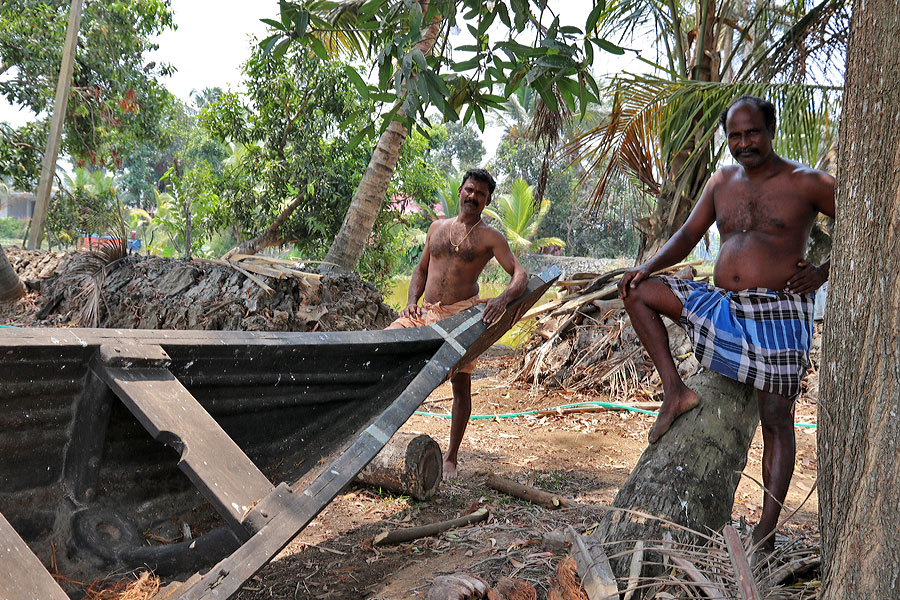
(688, 477)
(11, 287)
(351, 240)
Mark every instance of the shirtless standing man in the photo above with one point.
(456, 251)
(756, 326)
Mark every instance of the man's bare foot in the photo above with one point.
(450, 471)
(672, 408)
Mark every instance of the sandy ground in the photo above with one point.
(584, 456)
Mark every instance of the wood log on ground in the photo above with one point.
(408, 464)
(525, 492)
(407, 534)
(689, 476)
(593, 567)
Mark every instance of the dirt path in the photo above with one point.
(585, 456)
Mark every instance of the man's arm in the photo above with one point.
(418, 279)
(820, 187)
(518, 279)
(680, 244)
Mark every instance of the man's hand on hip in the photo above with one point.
(807, 279)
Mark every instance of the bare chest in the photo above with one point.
(744, 209)
(458, 246)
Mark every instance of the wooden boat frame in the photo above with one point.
(60, 430)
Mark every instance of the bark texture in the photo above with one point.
(11, 287)
(859, 411)
(351, 240)
(690, 475)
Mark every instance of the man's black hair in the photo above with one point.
(480, 175)
(765, 107)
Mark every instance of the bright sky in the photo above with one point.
(211, 42)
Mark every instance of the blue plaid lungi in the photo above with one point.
(757, 336)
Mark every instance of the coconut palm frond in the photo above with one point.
(813, 39)
(625, 142)
(658, 127)
(547, 241)
(517, 215)
(348, 27)
(448, 197)
(546, 129)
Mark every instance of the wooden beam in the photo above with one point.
(21, 572)
(211, 459)
(42, 204)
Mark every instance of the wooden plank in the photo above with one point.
(211, 459)
(88, 434)
(746, 582)
(22, 576)
(594, 568)
(65, 340)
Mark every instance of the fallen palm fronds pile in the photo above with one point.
(584, 340)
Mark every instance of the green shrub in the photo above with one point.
(11, 228)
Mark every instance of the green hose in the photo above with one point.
(576, 405)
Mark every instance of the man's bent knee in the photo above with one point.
(656, 296)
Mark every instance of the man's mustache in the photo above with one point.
(746, 151)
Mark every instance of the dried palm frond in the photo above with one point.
(546, 129)
(88, 276)
(693, 565)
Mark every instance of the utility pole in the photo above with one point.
(48, 167)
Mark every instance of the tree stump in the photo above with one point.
(408, 464)
(690, 475)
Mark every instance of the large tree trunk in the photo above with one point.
(859, 410)
(690, 475)
(11, 287)
(351, 240)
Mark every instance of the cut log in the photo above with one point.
(408, 534)
(525, 492)
(408, 464)
(689, 476)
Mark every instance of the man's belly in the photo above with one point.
(753, 259)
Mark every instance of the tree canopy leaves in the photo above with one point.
(513, 43)
(116, 97)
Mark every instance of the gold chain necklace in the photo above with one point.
(456, 246)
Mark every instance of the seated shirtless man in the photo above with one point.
(755, 325)
(456, 251)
